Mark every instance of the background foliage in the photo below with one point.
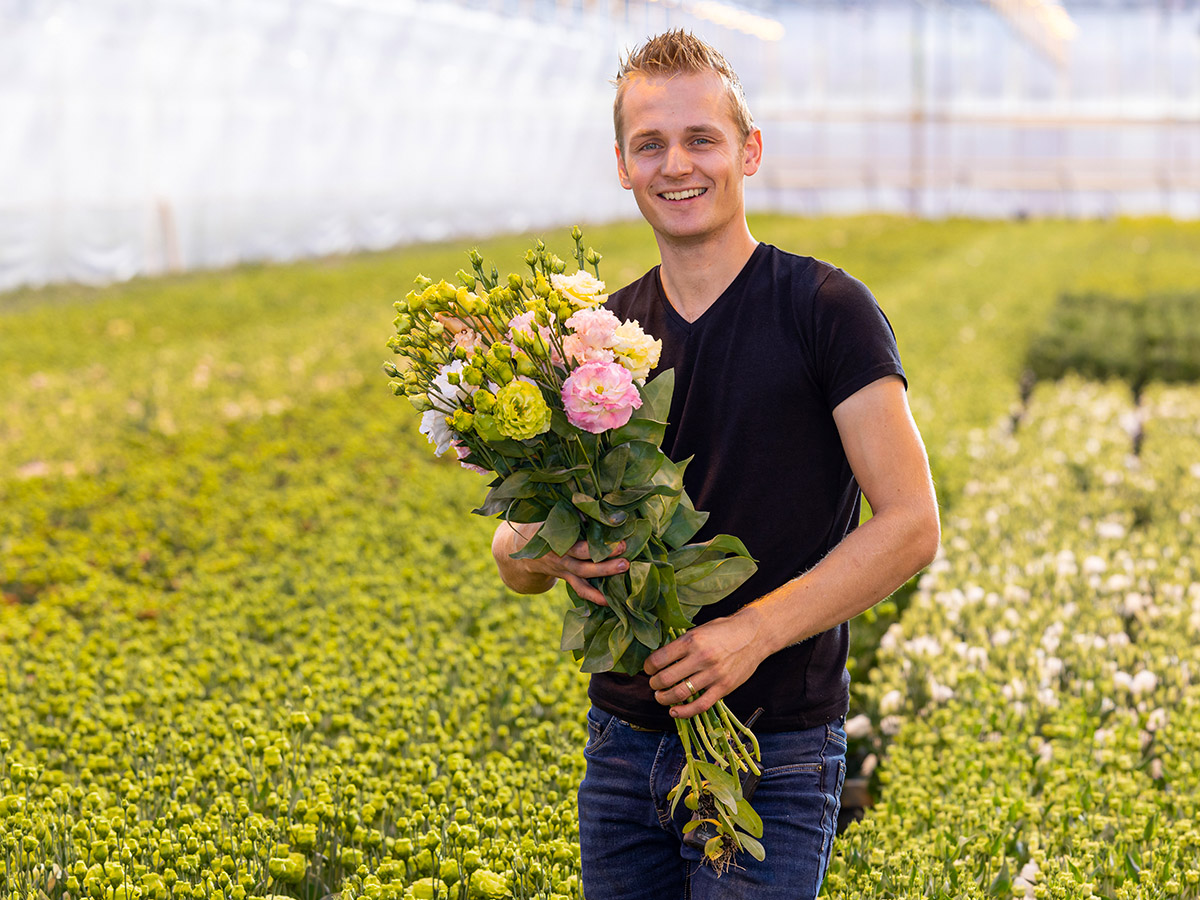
(251, 643)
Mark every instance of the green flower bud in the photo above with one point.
(576, 233)
(541, 286)
(422, 282)
(557, 266)
(391, 370)
(501, 352)
(531, 258)
(462, 421)
(472, 376)
(468, 280)
(421, 402)
(474, 256)
(525, 365)
(396, 387)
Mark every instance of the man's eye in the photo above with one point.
(652, 145)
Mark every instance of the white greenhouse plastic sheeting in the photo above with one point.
(143, 136)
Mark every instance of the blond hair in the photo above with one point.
(680, 52)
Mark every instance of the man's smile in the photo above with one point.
(682, 195)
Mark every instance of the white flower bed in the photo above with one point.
(1041, 693)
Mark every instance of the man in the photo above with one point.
(790, 398)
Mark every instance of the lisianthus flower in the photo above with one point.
(446, 398)
(523, 324)
(462, 451)
(468, 339)
(581, 290)
(636, 350)
(521, 412)
(600, 395)
(593, 333)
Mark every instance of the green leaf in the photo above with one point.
(592, 507)
(722, 784)
(646, 430)
(527, 511)
(629, 496)
(644, 460)
(639, 534)
(656, 395)
(709, 582)
(516, 486)
(717, 548)
(633, 660)
(619, 640)
(555, 476)
(535, 548)
(747, 819)
(612, 468)
(602, 539)
(693, 824)
(753, 847)
(714, 846)
(574, 621)
(562, 528)
(1001, 885)
(597, 656)
(684, 524)
(667, 609)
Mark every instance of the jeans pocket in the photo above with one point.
(599, 726)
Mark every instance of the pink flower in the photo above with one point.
(600, 395)
(594, 333)
(462, 452)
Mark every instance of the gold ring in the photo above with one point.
(687, 682)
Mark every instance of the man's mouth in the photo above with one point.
(682, 195)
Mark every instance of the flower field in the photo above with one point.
(251, 646)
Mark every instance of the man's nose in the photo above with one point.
(678, 162)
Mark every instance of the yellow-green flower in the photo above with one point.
(521, 412)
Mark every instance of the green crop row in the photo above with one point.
(252, 644)
(1142, 339)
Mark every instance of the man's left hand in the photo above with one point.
(708, 661)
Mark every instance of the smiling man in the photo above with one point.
(790, 401)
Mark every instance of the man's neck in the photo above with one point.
(694, 275)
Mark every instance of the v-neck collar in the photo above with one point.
(677, 317)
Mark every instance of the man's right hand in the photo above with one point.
(534, 576)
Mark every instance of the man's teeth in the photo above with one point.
(683, 195)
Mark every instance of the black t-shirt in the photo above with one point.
(757, 377)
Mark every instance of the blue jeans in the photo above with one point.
(632, 847)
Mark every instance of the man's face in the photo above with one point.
(683, 158)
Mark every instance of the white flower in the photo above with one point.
(636, 350)
(1111, 530)
(580, 289)
(445, 397)
(1094, 565)
(1143, 682)
(437, 430)
(939, 693)
(858, 727)
(891, 725)
(868, 765)
(1122, 681)
(891, 702)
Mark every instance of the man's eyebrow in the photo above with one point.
(654, 132)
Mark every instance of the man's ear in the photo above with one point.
(752, 152)
(622, 175)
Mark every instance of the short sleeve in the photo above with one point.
(853, 340)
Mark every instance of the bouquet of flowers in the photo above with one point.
(530, 379)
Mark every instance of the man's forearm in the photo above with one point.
(868, 565)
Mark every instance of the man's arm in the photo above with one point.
(901, 537)
(535, 576)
